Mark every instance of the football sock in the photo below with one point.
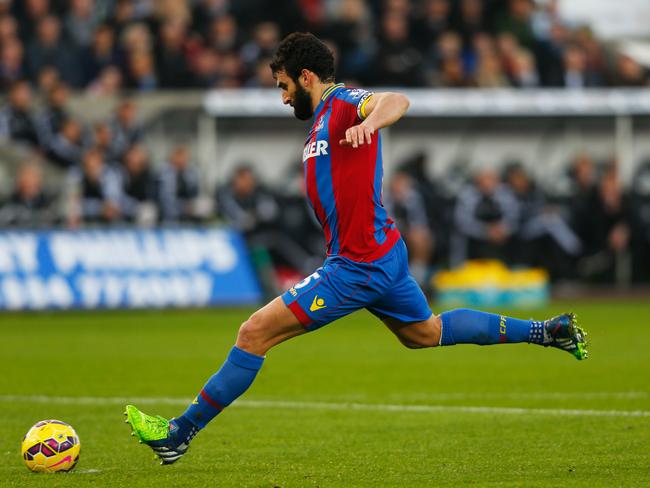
(233, 378)
(464, 326)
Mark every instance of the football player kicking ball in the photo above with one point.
(367, 263)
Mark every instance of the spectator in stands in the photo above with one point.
(16, 120)
(543, 238)
(142, 72)
(8, 28)
(640, 234)
(351, 29)
(81, 21)
(50, 119)
(489, 73)
(397, 62)
(136, 38)
(408, 208)
(172, 66)
(583, 179)
(255, 211)
(178, 187)
(66, 147)
(29, 205)
(103, 140)
(224, 35)
(107, 84)
(230, 71)
(629, 73)
(125, 13)
(48, 78)
(29, 14)
(485, 219)
(247, 205)
(430, 22)
(11, 63)
(518, 22)
(446, 66)
(605, 231)
(576, 72)
(101, 54)
(158, 52)
(96, 191)
(204, 13)
(468, 20)
(438, 205)
(207, 69)
(138, 186)
(127, 129)
(266, 38)
(523, 72)
(263, 77)
(49, 49)
(594, 53)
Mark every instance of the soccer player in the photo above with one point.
(366, 265)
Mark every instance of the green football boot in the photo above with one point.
(564, 333)
(160, 434)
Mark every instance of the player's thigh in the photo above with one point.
(331, 292)
(269, 326)
(416, 335)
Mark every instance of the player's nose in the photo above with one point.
(286, 99)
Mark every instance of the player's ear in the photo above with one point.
(305, 78)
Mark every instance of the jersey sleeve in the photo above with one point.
(359, 98)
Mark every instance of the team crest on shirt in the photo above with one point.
(320, 124)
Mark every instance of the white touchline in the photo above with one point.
(306, 405)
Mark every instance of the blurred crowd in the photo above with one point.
(581, 227)
(103, 46)
(108, 175)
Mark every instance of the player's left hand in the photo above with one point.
(357, 135)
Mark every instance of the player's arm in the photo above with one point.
(379, 110)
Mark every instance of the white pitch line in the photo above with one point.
(300, 405)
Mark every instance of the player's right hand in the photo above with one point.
(357, 135)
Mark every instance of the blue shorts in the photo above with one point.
(342, 286)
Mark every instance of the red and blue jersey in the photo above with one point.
(344, 184)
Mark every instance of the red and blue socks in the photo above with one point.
(464, 326)
(224, 387)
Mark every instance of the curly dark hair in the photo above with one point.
(303, 50)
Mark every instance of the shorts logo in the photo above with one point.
(317, 304)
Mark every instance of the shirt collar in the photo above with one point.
(326, 94)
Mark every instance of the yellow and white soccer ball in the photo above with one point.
(51, 446)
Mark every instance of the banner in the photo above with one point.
(124, 269)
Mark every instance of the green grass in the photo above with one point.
(170, 354)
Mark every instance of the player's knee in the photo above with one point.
(426, 335)
(252, 335)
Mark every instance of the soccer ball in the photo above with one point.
(51, 446)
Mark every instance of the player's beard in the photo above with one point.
(302, 108)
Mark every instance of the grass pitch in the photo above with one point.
(345, 406)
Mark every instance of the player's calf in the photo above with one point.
(465, 326)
